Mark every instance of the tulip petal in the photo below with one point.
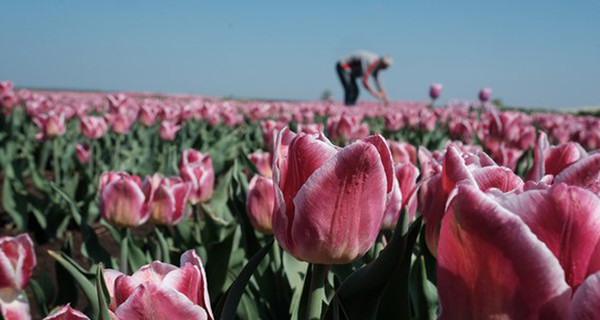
(193, 258)
(567, 220)
(386, 157)
(150, 301)
(581, 173)
(67, 313)
(491, 266)
(501, 178)
(185, 280)
(17, 308)
(538, 169)
(339, 209)
(586, 300)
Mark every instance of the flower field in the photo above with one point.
(142, 206)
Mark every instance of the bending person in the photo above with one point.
(362, 64)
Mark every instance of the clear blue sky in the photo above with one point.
(532, 53)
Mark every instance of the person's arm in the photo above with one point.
(374, 71)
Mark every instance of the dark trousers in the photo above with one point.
(349, 84)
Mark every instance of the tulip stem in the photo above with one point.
(124, 249)
(55, 161)
(316, 292)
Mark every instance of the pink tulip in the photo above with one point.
(166, 199)
(260, 202)
(51, 126)
(491, 265)
(67, 313)
(121, 122)
(485, 94)
(310, 128)
(269, 128)
(552, 160)
(168, 130)
(403, 152)
(83, 152)
(122, 201)
(435, 90)
(329, 202)
(346, 128)
(521, 255)
(148, 114)
(161, 291)
(196, 168)
(263, 163)
(403, 194)
(93, 127)
(17, 260)
(476, 168)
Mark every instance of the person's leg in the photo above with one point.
(352, 91)
(346, 81)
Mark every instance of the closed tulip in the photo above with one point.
(93, 127)
(196, 168)
(329, 202)
(161, 291)
(122, 201)
(402, 152)
(166, 199)
(67, 313)
(83, 152)
(260, 202)
(485, 94)
(168, 130)
(17, 260)
(435, 90)
(263, 163)
(51, 126)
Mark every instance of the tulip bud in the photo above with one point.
(67, 313)
(485, 94)
(329, 202)
(93, 127)
(263, 163)
(166, 199)
(168, 130)
(83, 152)
(17, 260)
(435, 91)
(196, 168)
(260, 202)
(122, 201)
(51, 126)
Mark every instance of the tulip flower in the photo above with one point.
(196, 168)
(161, 291)
(403, 194)
(168, 130)
(403, 152)
(121, 122)
(93, 127)
(260, 202)
(269, 128)
(148, 114)
(520, 255)
(346, 128)
(485, 94)
(166, 199)
(263, 163)
(51, 126)
(83, 152)
(329, 202)
(457, 166)
(435, 90)
(122, 201)
(67, 313)
(17, 260)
